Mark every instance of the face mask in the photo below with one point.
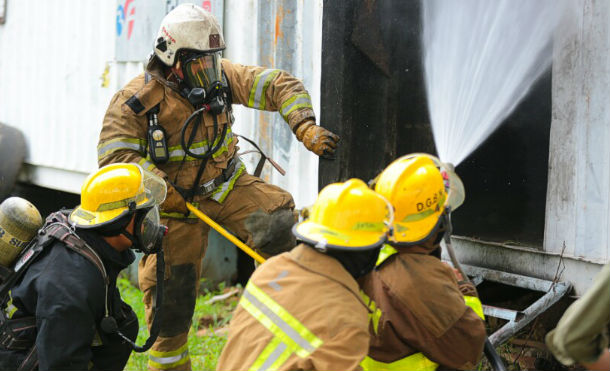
(148, 231)
(202, 70)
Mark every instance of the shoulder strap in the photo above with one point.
(62, 231)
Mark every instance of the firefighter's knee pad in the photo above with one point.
(272, 232)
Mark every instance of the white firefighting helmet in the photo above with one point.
(187, 27)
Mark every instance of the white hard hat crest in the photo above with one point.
(187, 27)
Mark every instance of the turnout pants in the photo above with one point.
(259, 214)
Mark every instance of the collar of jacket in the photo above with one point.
(324, 265)
(157, 71)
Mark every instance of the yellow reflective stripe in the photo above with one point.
(375, 314)
(414, 362)
(176, 153)
(167, 360)
(294, 103)
(385, 252)
(222, 191)
(146, 165)
(110, 146)
(272, 357)
(175, 215)
(279, 321)
(121, 203)
(474, 303)
(259, 88)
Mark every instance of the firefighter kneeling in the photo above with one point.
(422, 316)
(69, 313)
(301, 310)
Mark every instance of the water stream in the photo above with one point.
(481, 57)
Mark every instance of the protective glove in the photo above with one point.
(174, 202)
(318, 140)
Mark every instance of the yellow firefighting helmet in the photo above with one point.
(346, 216)
(114, 191)
(415, 187)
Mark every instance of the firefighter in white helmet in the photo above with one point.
(176, 120)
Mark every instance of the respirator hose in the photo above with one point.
(155, 328)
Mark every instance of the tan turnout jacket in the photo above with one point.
(422, 310)
(123, 137)
(329, 326)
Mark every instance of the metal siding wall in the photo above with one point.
(50, 81)
(578, 197)
(284, 34)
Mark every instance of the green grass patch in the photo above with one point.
(204, 345)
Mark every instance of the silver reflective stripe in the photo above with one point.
(274, 356)
(280, 323)
(301, 102)
(261, 84)
(223, 190)
(176, 154)
(115, 146)
(172, 359)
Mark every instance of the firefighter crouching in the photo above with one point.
(176, 120)
(421, 316)
(302, 310)
(69, 314)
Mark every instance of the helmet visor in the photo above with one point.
(149, 229)
(155, 187)
(202, 70)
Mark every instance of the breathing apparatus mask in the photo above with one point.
(202, 78)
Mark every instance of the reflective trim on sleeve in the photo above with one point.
(259, 88)
(221, 193)
(289, 330)
(167, 360)
(272, 357)
(414, 362)
(374, 314)
(294, 103)
(475, 304)
(146, 165)
(110, 146)
(385, 252)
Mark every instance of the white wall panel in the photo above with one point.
(54, 54)
(283, 34)
(578, 196)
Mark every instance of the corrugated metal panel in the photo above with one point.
(578, 197)
(283, 34)
(51, 73)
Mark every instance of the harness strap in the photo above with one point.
(63, 233)
(30, 363)
(9, 330)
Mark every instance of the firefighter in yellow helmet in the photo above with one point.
(176, 120)
(70, 315)
(420, 314)
(301, 310)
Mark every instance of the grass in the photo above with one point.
(204, 345)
